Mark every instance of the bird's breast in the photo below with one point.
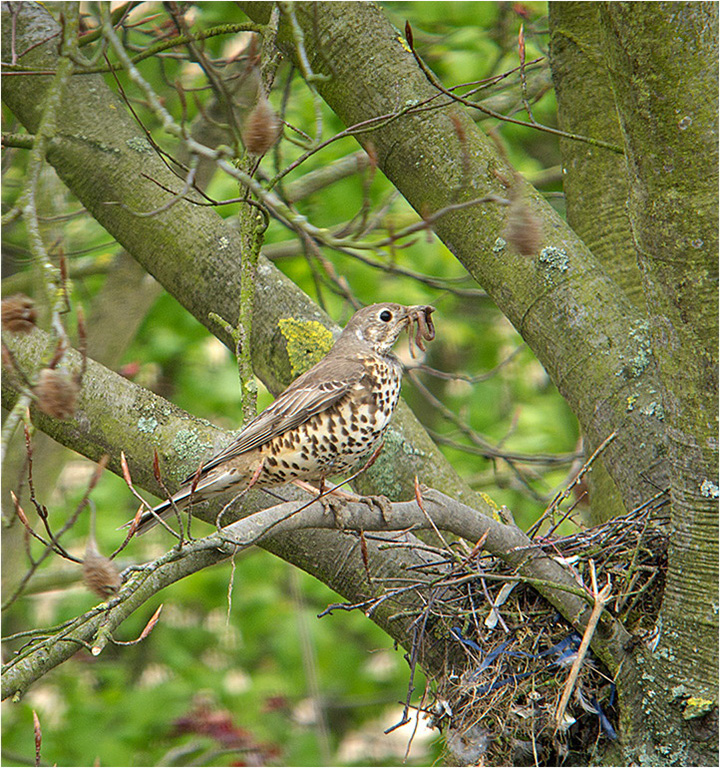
(334, 440)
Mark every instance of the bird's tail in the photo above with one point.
(214, 483)
(162, 511)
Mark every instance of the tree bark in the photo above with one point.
(663, 62)
(593, 179)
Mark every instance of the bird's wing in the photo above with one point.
(313, 392)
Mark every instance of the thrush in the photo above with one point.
(327, 421)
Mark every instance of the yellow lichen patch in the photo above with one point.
(307, 343)
(489, 501)
(697, 707)
(492, 505)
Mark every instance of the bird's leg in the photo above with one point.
(256, 475)
(334, 505)
(332, 499)
(379, 501)
(383, 504)
(335, 497)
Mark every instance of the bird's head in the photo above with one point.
(379, 325)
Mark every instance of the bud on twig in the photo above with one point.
(18, 314)
(100, 575)
(523, 229)
(99, 572)
(56, 393)
(262, 128)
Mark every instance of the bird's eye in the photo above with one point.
(386, 316)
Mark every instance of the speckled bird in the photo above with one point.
(327, 421)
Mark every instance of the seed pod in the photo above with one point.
(18, 314)
(262, 128)
(56, 393)
(523, 229)
(100, 575)
(99, 572)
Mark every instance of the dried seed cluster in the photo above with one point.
(56, 393)
(100, 575)
(18, 314)
(523, 229)
(262, 128)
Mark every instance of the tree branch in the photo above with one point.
(139, 423)
(505, 541)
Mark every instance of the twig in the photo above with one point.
(429, 220)
(562, 495)
(54, 544)
(523, 79)
(143, 503)
(308, 75)
(476, 105)
(146, 631)
(188, 184)
(601, 599)
(153, 50)
(412, 659)
(419, 501)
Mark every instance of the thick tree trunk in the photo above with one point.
(663, 61)
(593, 178)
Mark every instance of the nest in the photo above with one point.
(497, 699)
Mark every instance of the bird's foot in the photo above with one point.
(383, 504)
(335, 504)
(332, 500)
(336, 507)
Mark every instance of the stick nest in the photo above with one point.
(497, 698)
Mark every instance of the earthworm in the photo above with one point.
(424, 329)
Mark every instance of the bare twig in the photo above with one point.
(562, 495)
(601, 599)
(476, 105)
(143, 503)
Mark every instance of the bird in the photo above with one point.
(323, 424)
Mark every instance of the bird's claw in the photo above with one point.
(334, 506)
(382, 503)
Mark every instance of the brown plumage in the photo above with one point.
(324, 423)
